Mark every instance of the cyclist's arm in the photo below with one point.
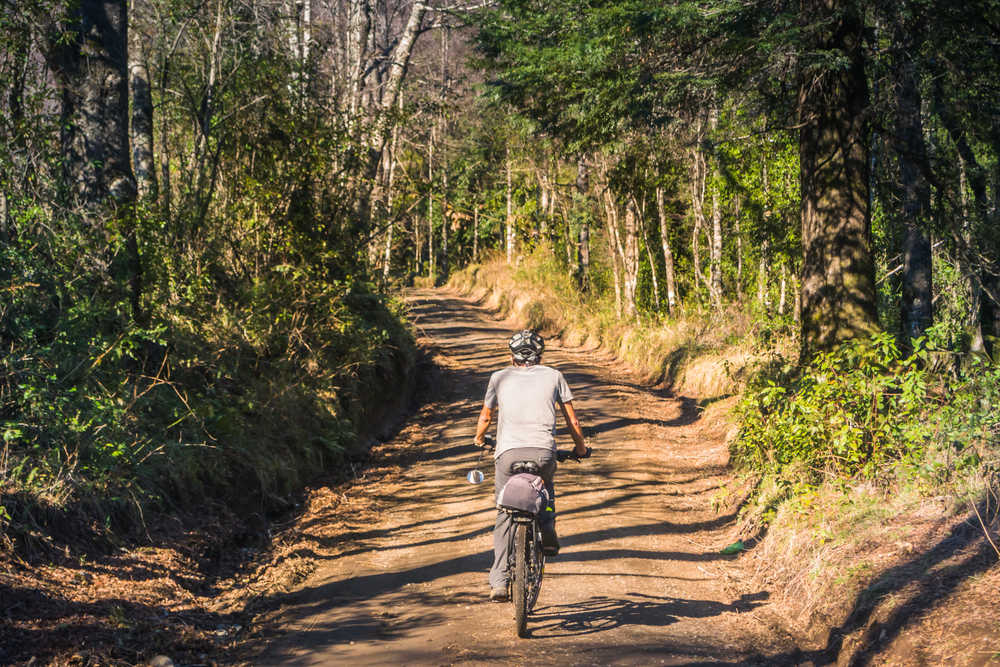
(574, 427)
(485, 418)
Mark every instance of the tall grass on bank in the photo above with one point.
(693, 351)
(230, 404)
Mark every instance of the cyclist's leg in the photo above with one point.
(547, 522)
(502, 526)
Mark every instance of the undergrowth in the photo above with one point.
(218, 402)
(868, 411)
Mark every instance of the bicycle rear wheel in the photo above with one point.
(521, 585)
(536, 566)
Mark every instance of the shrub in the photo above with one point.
(865, 406)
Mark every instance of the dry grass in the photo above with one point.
(862, 572)
(693, 353)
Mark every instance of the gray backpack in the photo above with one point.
(524, 493)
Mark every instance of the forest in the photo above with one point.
(209, 211)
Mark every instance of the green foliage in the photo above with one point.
(867, 407)
(245, 402)
(851, 411)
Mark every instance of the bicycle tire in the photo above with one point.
(521, 587)
(536, 567)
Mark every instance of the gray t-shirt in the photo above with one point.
(527, 397)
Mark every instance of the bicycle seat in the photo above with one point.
(529, 467)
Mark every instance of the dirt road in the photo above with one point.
(639, 579)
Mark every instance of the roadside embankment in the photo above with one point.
(697, 354)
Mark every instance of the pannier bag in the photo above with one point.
(525, 493)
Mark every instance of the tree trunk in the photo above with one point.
(418, 246)
(977, 344)
(443, 133)
(509, 236)
(615, 270)
(739, 249)
(622, 249)
(445, 222)
(985, 275)
(838, 283)
(571, 244)
(390, 183)
(698, 169)
(585, 255)
(543, 203)
(360, 28)
(762, 281)
(206, 165)
(91, 71)
(582, 185)
(668, 256)
(652, 260)
(430, 208)
(475, 234)
(630, 259)
(299, 29)
(715, 248)
(783, 289)
(4, 219)
(615, 251)
(164, 186)
(398, 64)
(142, 118)
(917, 305)
(715, 252)
(762, 300)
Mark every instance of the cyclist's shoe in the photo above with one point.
(498, 595)
(550, 542)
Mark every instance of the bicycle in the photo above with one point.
(525, 554)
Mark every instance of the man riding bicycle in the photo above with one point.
(526, 394)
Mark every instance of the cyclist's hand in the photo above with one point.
(582, 455)
(487, 443)
(562, 455)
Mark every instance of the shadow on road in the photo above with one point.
(601, 613)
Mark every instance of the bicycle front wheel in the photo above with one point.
(521, 588)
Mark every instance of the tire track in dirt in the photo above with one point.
(639, 579)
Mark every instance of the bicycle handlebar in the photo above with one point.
(561, 455)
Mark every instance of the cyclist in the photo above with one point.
(526, 394)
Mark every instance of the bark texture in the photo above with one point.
(668, 256)
(509, 235)
(582, 186)
(917, 305)
(715, 247)
(88, 53)
(838, 276)
(142, 119)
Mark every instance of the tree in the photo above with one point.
(838, 274)
(88, 52)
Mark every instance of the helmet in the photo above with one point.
(526, 346)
